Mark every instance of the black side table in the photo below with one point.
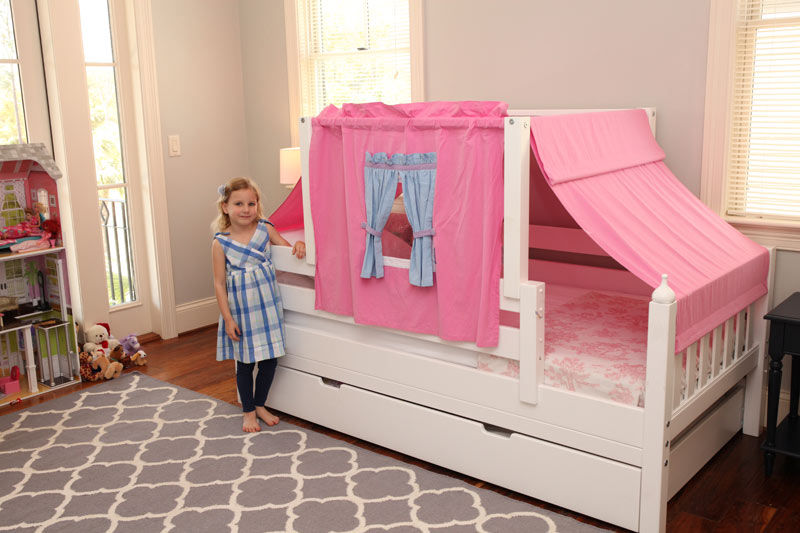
(784, 338)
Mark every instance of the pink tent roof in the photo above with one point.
(289, 215)
(608, 172)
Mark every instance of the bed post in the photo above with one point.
(531, 340)
(754, 386)
(308, 224)
(658, 408)
(516, 197)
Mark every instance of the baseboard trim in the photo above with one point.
(197, 314)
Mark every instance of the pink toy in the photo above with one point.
(133, 349)
(10, 384)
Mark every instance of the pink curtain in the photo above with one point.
(607, 171)
(463, 303)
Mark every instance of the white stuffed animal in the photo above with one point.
(98, 339)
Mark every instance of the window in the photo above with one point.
(753, 96)
(764, 158)
(352, 51)
(112, 187)
(12, 116)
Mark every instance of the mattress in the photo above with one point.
(595, 344)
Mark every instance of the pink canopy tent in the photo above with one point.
(608, 172)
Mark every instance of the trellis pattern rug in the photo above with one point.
(136, 454)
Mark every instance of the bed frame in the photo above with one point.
(615, 462)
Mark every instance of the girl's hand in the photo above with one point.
(299, 249)
(232, 330)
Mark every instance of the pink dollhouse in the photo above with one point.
(37, 334)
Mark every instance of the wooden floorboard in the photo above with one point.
(730, 494)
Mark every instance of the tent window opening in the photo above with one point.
(399, 194)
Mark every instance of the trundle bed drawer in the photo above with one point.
(563, 476)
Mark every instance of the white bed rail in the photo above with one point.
(711, 366)
(308, 223)
(516, 197)
(531, 340)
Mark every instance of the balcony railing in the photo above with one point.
(120, 274)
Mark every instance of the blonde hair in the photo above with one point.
(223, 221)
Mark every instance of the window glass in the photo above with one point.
(12, 115)
(764, 155)
(108, 153)
(105, 124)
(353, 51)
(96, 31)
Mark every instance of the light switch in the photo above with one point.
(174, 145)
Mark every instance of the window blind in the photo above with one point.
(353, 51)
(764, 155)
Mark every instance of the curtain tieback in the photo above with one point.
(424, 233)
(370, 230)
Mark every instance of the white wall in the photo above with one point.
(266, 94)
(578, 54)
(201, 98)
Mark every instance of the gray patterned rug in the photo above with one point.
(139, 455)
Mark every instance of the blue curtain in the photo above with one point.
(419, 183)
(380, 186)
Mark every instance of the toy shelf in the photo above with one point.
(40, 335)
(38, 344)
(11, 256)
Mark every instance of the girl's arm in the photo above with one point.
(221, 291)
(299, 248)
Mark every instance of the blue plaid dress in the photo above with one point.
(253, 298)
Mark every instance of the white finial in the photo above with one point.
(663, 294)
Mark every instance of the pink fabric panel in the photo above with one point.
(289, 215)
(333, 288)
(463, 304)
(651, 224)
(417, 110)
(585, 144)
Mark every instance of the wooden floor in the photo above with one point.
(730, 494)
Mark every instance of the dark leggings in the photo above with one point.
(244, 382)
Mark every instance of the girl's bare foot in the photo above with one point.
(266, 416)
(250, 423)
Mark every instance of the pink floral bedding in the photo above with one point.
(595, 343)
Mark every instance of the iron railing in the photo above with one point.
(120, 273)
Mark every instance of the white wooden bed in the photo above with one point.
(615, 462)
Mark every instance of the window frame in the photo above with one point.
(781, 233)
(59, 24)
(31, 72)
(293, 61)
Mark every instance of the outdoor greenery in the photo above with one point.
(105, 124)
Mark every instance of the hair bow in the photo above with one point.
(221, 189)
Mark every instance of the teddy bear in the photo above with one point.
(133, 350)
(98, 337)
(108, 369)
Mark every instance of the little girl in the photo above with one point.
(251, 313)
